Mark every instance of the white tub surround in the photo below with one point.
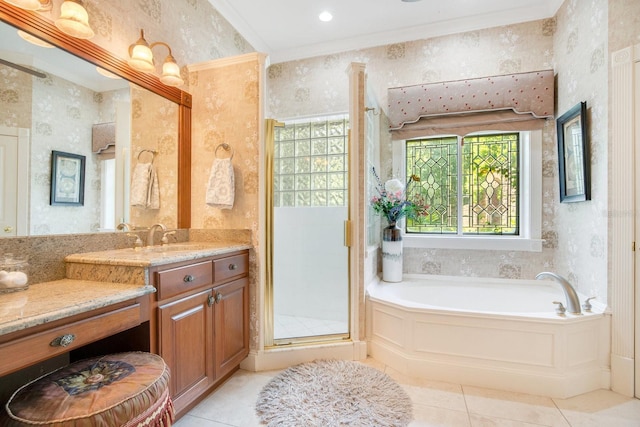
(493, 333)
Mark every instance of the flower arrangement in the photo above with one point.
(391, 200)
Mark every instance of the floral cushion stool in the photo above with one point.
(126, 389)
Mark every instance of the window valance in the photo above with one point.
(103, 140)
(509, 102)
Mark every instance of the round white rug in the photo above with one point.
(327, 393)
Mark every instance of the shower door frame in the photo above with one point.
(269, 340)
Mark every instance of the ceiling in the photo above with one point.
(55, 61)
(290, 29)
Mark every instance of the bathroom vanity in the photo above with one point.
(187, 302)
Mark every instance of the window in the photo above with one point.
(310, 163)
(471, 183)
(480, 188)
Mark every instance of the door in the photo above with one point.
(309, 207)
(186, 345)
(231, 328)
(14, 181)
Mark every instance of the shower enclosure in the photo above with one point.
(307, 163)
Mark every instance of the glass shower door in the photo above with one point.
(310, 263)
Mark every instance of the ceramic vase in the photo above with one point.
(392, 253)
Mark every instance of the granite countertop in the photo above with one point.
(157, 255)
(49, 301)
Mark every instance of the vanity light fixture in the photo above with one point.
(74, 20)
(34, 40)
(107, 74)
(40, 5)
(141, 59)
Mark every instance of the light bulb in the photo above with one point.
(26, 4)
(74, 20)
(171, 73)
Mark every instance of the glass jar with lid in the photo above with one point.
(13, 273)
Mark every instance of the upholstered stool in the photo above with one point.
(126, 389)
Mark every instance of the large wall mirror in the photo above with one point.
(54, 99)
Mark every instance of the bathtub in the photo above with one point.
(495, 333)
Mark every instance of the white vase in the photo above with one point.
(392, 254)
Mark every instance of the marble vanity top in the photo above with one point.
(49, 301)
(157, 255)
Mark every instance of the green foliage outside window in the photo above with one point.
(480, 198)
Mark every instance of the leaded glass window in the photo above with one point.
(471, 184)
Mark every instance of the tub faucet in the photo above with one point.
(573, 302)
(152, 230)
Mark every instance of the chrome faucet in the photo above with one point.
(573, 302)
(152, 230)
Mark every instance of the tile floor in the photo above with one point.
(296, 326)
(436, 404)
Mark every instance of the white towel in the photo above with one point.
(145, 192)
(221, 187)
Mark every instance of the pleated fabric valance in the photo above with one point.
(511, 102)
(103, 140)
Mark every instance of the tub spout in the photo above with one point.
(573, 302)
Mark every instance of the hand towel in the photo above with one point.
(153, 195)
(145, 192)
(221, 186)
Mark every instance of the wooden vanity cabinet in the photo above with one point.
(202, 322)
(186, 345)
(231, 326)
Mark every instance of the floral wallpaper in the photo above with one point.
(581, 64)
(154, 126)
(576, 43)
(59, 114)
(117, 24)
(193, 29)
(320, 85)
(226, 110)
(15, 94)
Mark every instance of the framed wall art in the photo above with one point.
(573, 155)
(67, 179)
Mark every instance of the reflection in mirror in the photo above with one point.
(55, 101)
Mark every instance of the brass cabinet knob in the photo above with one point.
(8, 229)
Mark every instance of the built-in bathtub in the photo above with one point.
(495, 333)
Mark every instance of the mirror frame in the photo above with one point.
(34, 24)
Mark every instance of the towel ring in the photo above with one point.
(225, 147)
(153, 154)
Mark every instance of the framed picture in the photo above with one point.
(573, 155)
(67, 178)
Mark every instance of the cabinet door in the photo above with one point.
(231, 313)
(186, 345)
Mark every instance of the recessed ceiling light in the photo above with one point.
(325, 16)
(409, 1)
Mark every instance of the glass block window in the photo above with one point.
(471, 184)
(310, 163)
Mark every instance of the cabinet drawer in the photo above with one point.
(229, 267)
(44, 345)
(182, 279)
